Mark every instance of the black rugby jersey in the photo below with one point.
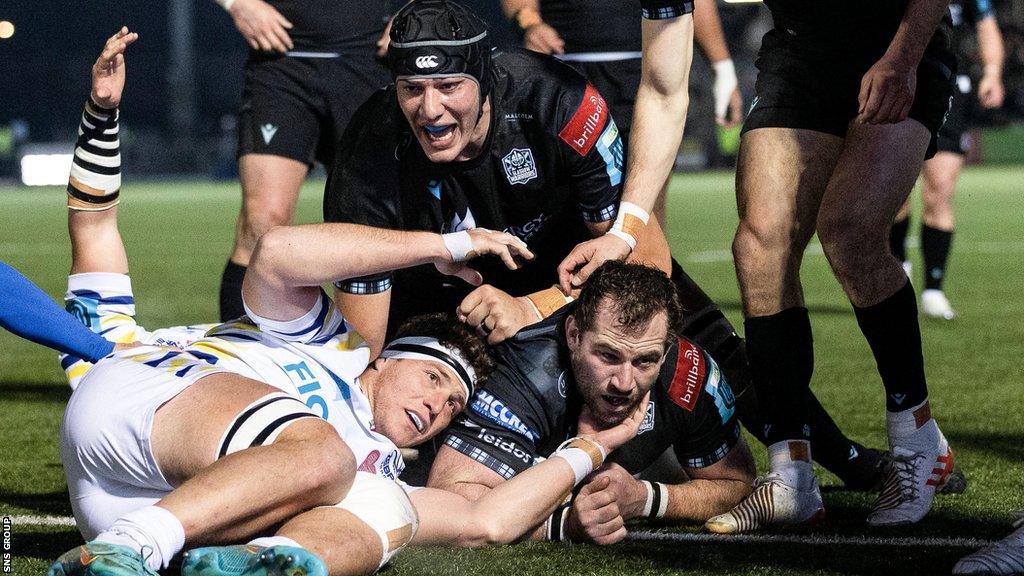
(594, 25)
(552, 160)
(333, 26)
(530, 405)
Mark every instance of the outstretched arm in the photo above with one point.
(512, 509)
(290, 263)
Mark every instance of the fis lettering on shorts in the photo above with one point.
(688, 380)
(587, 122)
(519, 165)
(495, 410)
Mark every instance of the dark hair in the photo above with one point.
(636, 292)
(450, 332)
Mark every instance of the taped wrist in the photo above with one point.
(549, 300)
(630, 220)
(657, 500)
(583, 455)
(225, 4)
(95, 181)
(459, 245)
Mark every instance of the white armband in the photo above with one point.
(459, 245)
(225, 4)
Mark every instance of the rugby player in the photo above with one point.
(513, 141)
(1004, 558)
(593, 361)
(939, 175)
(311, 64)
(277, 426)
(849, 98)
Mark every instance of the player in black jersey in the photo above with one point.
(539, 158)
(586, 367)
(312, 63)
(938, 178)
(850, 96)
(602, 40)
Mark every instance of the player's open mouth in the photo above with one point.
(416, 421)
(616, 401)
(439, 134)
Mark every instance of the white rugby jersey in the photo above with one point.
(317, 358)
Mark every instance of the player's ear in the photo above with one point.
(572, 333)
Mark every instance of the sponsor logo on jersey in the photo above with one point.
(508, 446)
(495, 410)
(563, 390)
(648, 423)
(688, 380)
(519, 166)
(426, 62)
(518, 116)
(581, 132)
(268, 131)
(525, 231)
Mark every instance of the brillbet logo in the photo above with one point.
(519, 166)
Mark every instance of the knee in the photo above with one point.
(761, 244)
(329, 467)
(257, 220)
(384, 506)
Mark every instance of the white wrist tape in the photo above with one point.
(225, 4)
(657, 499)
(629, 222)
(725, 84)
(583, 456)
(459, 245)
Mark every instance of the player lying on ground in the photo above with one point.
(598, 357)
(278, 426)
(546, 167)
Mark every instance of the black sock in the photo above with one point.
(898, 238)
(780, 349)
(894, 336)
(231, 292)
(935, 245)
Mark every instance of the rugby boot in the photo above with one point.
(101, 559)
(934, 304)
(772, 504)
(921, 464)
(1004, 558)
(249, 560)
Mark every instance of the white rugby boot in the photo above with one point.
(934, 304)
(1004, 558)
(921, 464)
(772, 504)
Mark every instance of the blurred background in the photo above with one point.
(186, 82)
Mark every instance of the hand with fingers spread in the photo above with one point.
(108, 72)
(886, 92)
(263, 27)
(468, 244)
(586, 257)
(495, 314)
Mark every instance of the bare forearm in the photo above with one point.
(990, 47)
(660, 111)
(512, 7)
(915, 30)
(697, 500)
(707, 30)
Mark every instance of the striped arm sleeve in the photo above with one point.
(95, 179)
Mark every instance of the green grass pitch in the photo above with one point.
(178, 236)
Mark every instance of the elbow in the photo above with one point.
(487, 532)
(270, 250)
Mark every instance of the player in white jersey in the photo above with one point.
(277, 426)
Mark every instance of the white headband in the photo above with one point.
(426, 348)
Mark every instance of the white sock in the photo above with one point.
(153, 528)
(268, 541)
(903, 424)
(796, 473)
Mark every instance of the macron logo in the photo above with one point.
(268, 131)
(425, 62)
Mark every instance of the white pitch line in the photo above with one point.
(809, 539)
(965, 247)
(43, 520)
